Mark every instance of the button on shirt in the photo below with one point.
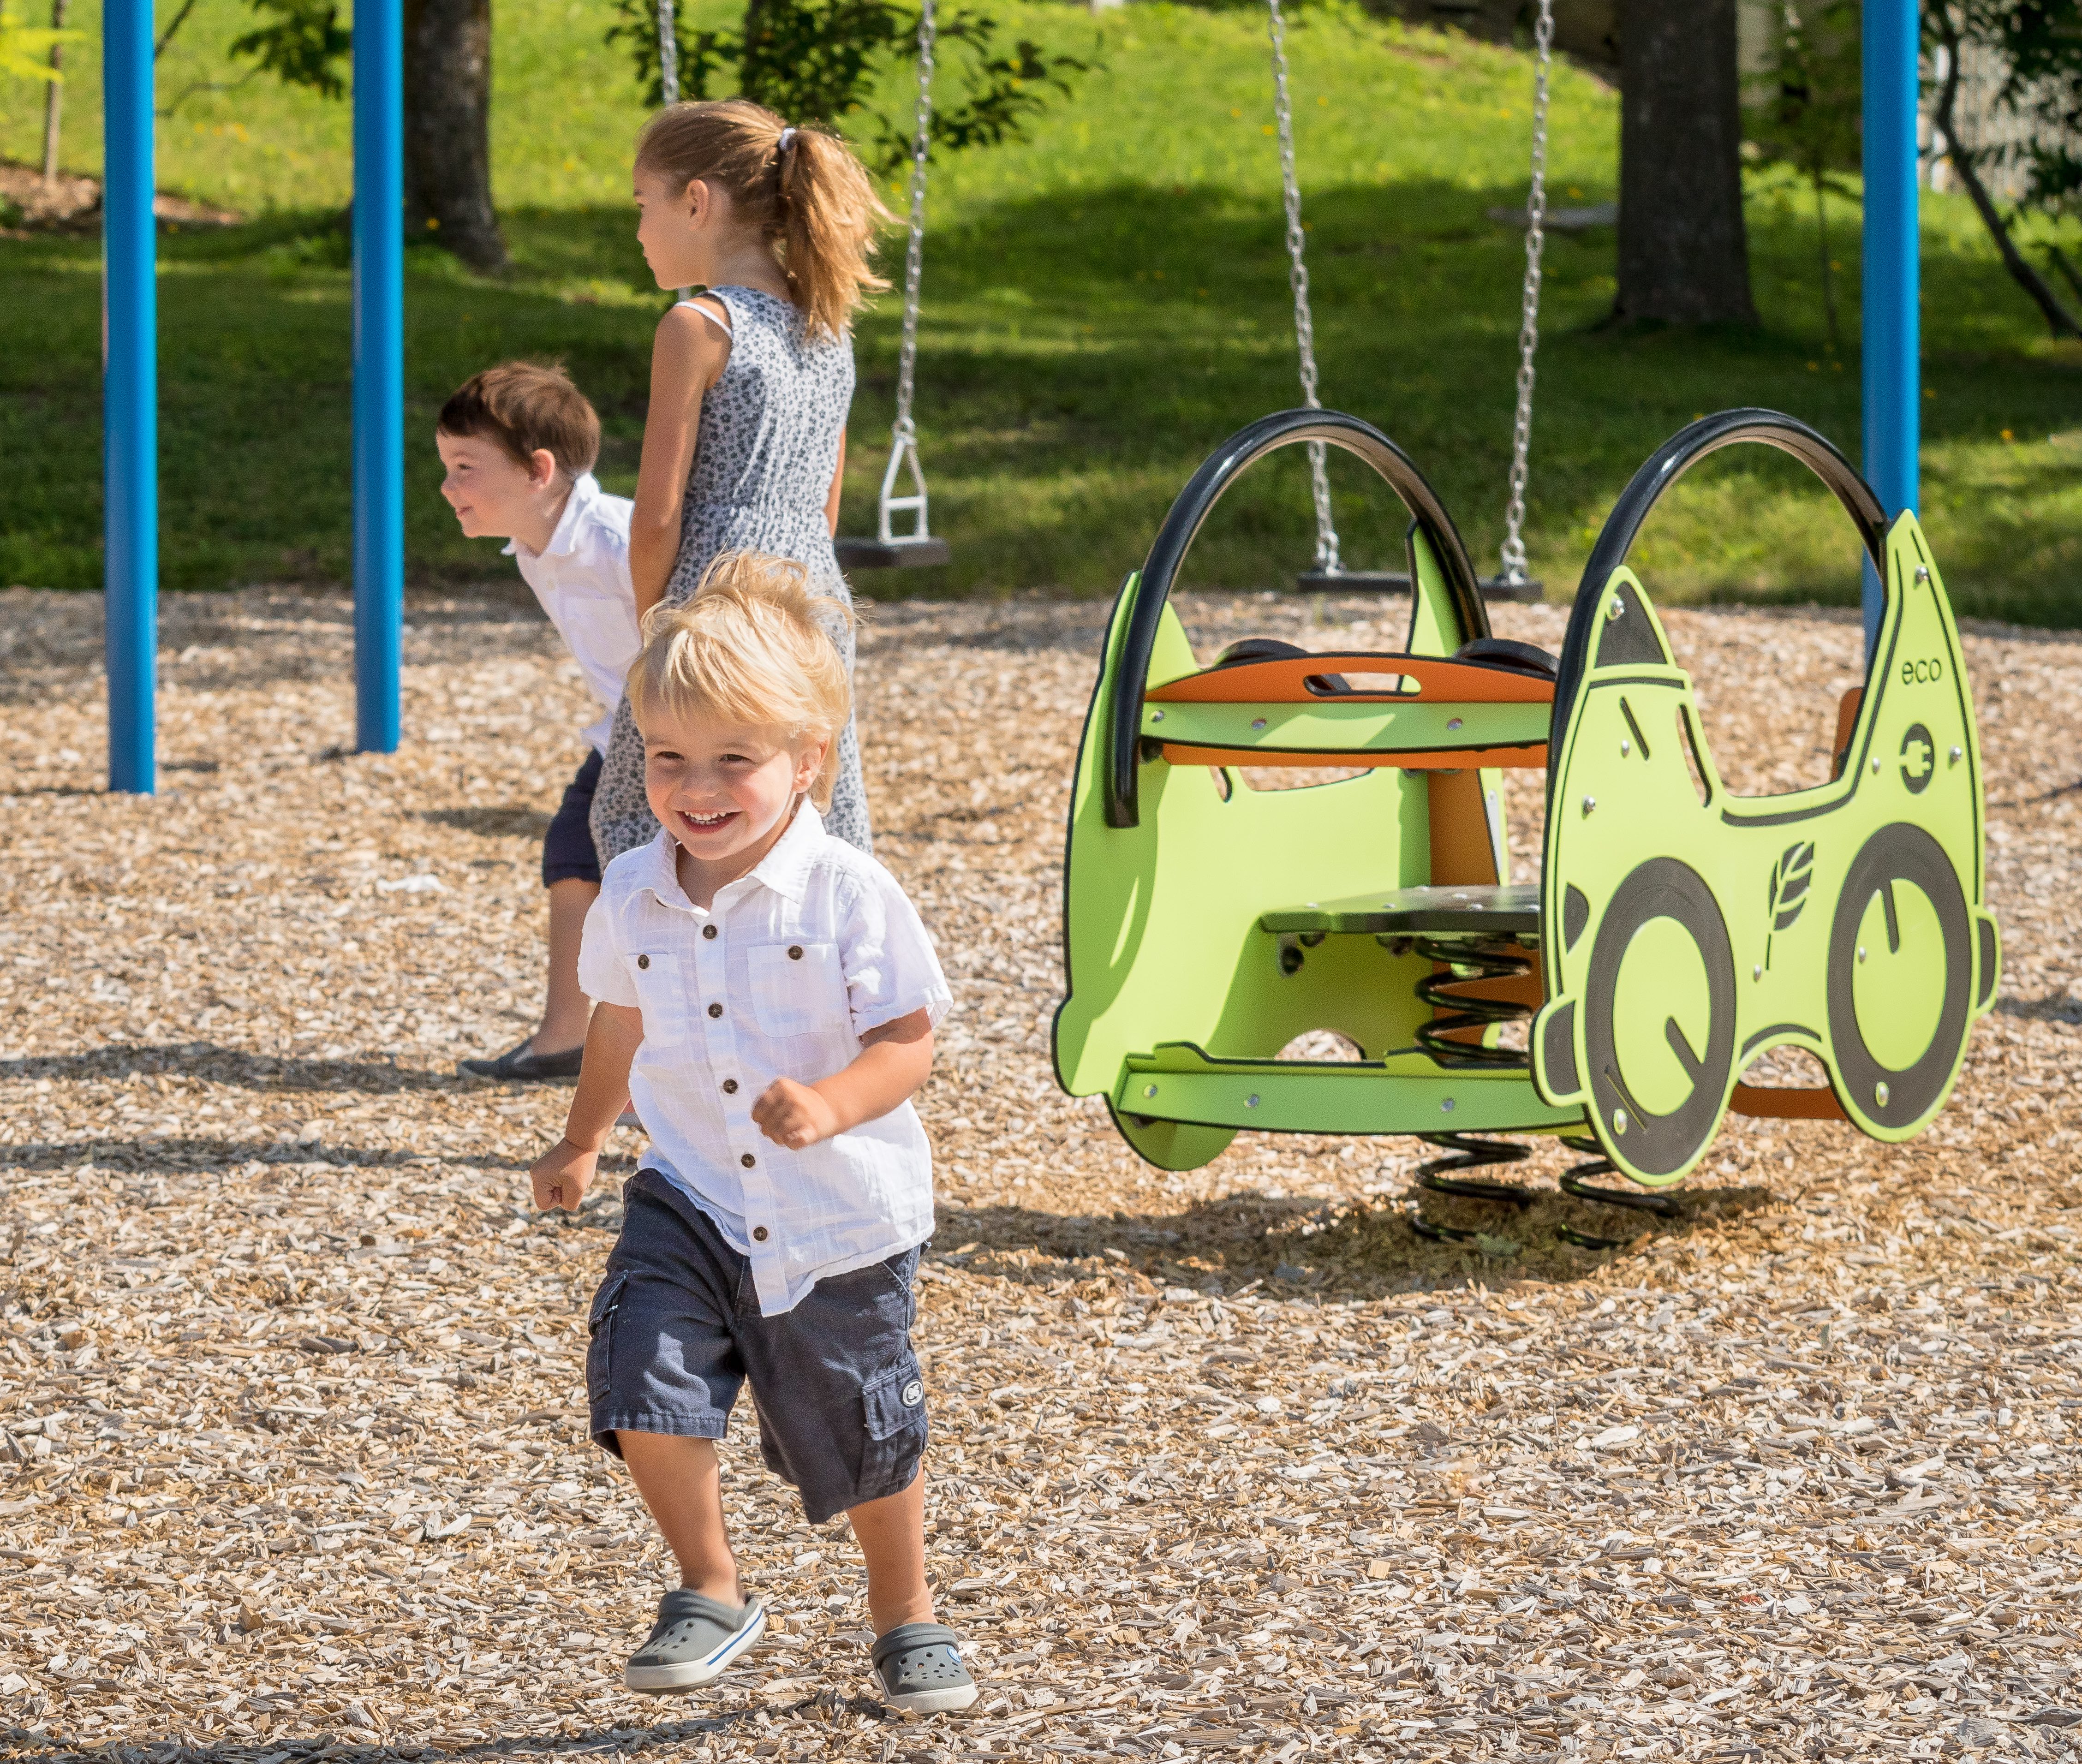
(792, 965)
(582, 579)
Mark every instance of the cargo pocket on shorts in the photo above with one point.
(599, 1327)
(895, 1403)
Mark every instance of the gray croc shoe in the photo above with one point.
(920, 1665)
(522, 1065)
(695, 1639)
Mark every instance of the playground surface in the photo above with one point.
(1230, 1464)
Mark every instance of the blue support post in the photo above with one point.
(1892, 277)
(129, 395)
(379, 370)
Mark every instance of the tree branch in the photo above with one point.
(2062, 322)
(179, 19)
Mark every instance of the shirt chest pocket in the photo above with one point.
(661, 994)
(797, 988)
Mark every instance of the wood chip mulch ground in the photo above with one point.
(1227, 1465)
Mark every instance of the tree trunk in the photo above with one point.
(448, 129)
(1683, 254)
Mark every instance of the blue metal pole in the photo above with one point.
(1892, 340)
(129, 395)
(379, 370)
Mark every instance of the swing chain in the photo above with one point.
(905, 433)
(1513, 555)
(668, 50)
(1305, 328)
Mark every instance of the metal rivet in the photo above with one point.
(1590, 802)
(1452, 723)
(1923, 572)
(1880, 1094)
(1250, 1102)
(1616, 608)
(1626, 747)
(1150, 1090)
(1257, 722)
(1157, 716)
(1958, 755)
(1619, 1121)
(1756, 972)
(1446, 1108)
(1862, 952)
(1876, 766)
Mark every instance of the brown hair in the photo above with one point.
(524, 405)
(753, 645)
(812, 203)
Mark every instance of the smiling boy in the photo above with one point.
(518, 443)
(769, 994)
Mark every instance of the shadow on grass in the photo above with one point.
(1082, 352)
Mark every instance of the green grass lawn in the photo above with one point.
(1104, 302)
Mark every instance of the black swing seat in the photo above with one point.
(899, 554)
(1508, 910)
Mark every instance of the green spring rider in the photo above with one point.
(1675, 934)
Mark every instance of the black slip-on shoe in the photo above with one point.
(695, 1639)
(920, 1667)
(518, 1066)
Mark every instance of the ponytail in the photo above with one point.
(802, 189)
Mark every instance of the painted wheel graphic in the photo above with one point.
(1659, 1018)
(1900, 974)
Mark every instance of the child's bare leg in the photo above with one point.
(567, 1011)
(891, 1533)
(681, 1484)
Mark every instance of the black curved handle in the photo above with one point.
(1670, 462)
(1120, 771)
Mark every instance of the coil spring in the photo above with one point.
(1573, 1183)
(1466, 1152)
(1492, 960)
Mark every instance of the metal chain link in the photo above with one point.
(668, 50)
(1528, 333)
(1305, 328)
(914, 259)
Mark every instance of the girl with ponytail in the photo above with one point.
(750, 382)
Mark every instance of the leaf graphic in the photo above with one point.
(1790, 877)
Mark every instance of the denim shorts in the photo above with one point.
(676, 1332)
(567, 847)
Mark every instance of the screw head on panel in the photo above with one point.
(1250, 1102)
(1619, 1121)
(1590, 802)
(1150, 1090)
(1880, 1094)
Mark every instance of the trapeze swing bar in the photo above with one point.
(918, 549)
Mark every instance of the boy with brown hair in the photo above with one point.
(519, 442)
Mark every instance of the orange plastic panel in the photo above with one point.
(1508, 758)
(1279, 682)
(1772, 1103)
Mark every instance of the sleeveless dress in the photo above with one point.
(764, 461)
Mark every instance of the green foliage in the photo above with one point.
(2042, 41)
(1804, 111)
(25, 49)
(302, 43)
(824, 61)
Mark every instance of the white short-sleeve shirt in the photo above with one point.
(794, 962)
(582, 579)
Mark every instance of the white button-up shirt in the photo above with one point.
(582, 579)
(782, 978)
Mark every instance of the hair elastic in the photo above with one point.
(787, 141)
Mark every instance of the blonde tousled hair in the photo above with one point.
(812, 202)
(753, 645)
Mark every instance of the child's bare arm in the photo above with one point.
(562, 1174)
(838, 482)
(688, 355)
(894, 1061)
